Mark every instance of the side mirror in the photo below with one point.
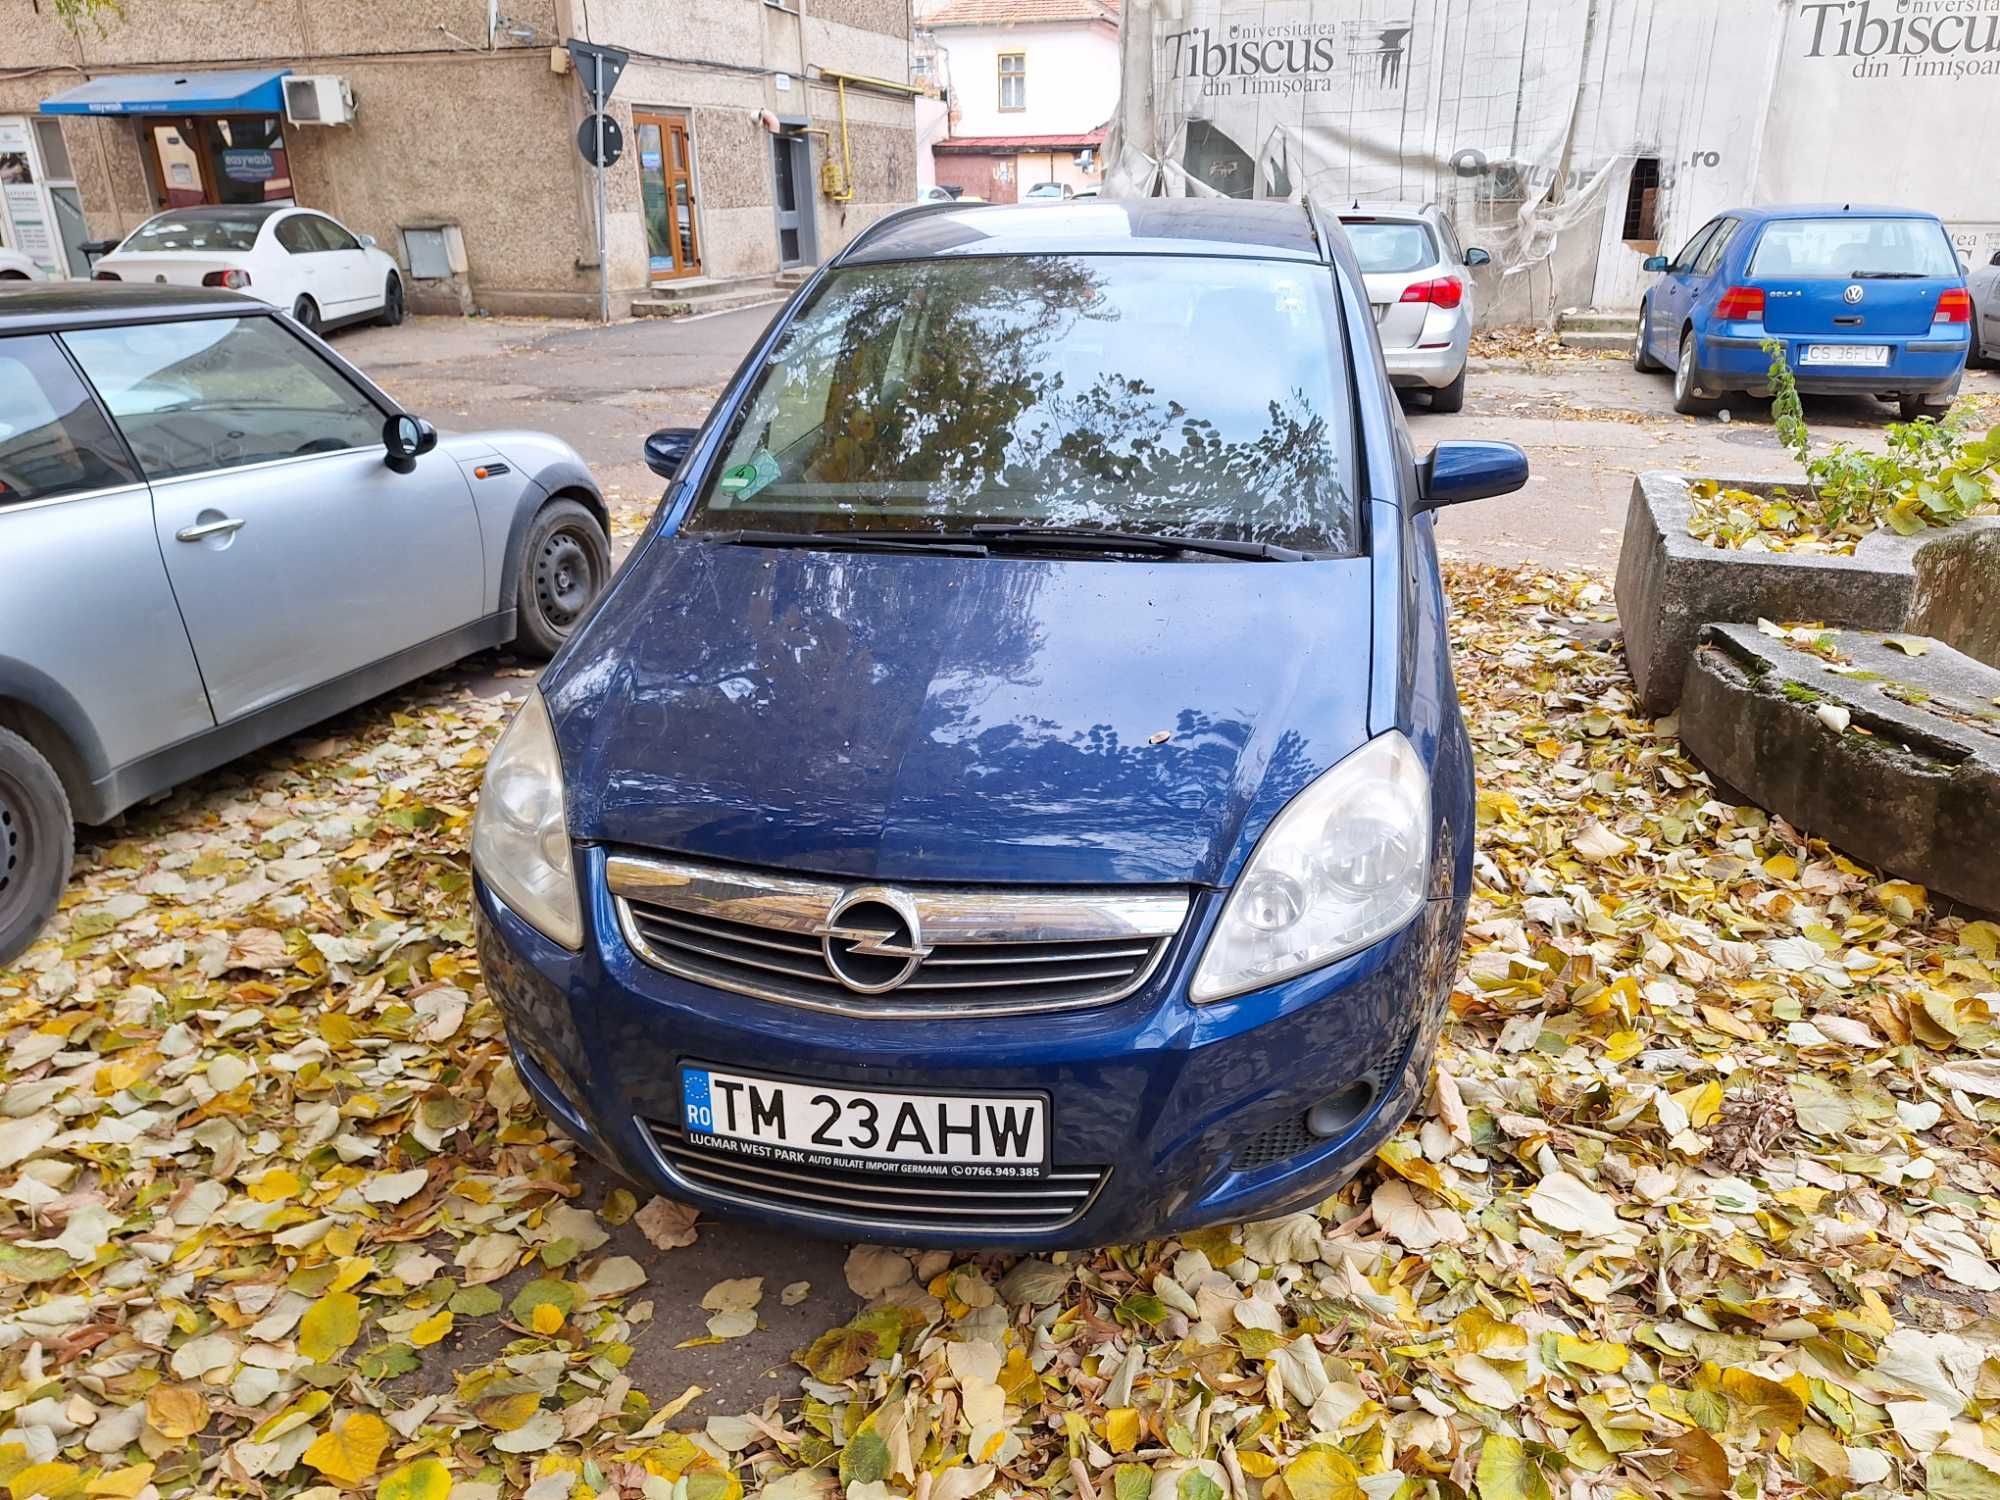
(1457, 472)
(367, 241)
(407, 439)
(1477, 257)
(1654, 263)
(667, 450)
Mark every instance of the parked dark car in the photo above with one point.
(215, 531)
(1866, 301)
(1016, 793)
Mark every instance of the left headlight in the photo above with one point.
(520, 836)
(1344, 864)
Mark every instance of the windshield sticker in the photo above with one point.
(745, 480)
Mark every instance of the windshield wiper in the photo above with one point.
(1133, 541)
(1886, 276)
(849, 541)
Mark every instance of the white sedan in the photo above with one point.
(293, 258)
(14, 266)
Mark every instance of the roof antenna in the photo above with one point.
(1357, 204)
(1847, 208)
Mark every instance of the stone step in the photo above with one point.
(1570, 339)
(1593, 320)
(687, 305)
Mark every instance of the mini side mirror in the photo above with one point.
(1654, 263)
(1457, 472)
(1477, 257)
(367, 241)
(407, 439)
(667, 450)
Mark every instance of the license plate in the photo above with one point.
(1845, 354)
(789, 1123)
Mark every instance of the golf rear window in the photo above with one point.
(1388, 248)
(1844, 247)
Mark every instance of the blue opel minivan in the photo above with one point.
(1865, 302)
(1014, 794)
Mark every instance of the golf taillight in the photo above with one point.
(1741, 304)
(1446, 291)
(234, 280)
(1954, 306)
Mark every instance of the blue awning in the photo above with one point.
(242, 91)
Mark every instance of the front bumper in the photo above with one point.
(1928, 366)
(1186, 1115)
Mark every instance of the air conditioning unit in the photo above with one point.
(318, 100)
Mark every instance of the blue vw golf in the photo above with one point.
(1866, 301)
(1014, 794)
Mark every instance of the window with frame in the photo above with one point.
(219, 393)
(53, 439)
(1013, 80)
(1718, 242)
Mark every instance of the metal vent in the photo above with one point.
(905, 952)
(1281, 1142)
(878, 1202)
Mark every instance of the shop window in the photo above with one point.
(220, 159)
(1642, 201)
(1013, 80)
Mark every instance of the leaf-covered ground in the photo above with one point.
(1703, 1200)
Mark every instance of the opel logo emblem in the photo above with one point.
(871, 940)
(1854, 294)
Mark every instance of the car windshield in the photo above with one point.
(1167, 394)
(196, 232)
(1386, 248)
(1845, 247)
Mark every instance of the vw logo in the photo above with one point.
(1854, 294)
(871, 940)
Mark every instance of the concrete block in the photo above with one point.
(1670, 584)
(1918, 793)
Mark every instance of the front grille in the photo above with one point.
(904, 952)
(878, 1201)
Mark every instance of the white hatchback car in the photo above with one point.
(314, 268)
(1420, 292)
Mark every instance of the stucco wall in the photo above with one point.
(447, 130)
(1072, 78)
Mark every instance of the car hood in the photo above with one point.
(910, 717)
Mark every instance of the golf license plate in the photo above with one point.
(790, 1123)
(1845, 354)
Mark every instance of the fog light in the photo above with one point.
(1337, 1115)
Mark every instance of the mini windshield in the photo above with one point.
(197, 232)
(1845, 247)
(1386, 248)
(1165, 394)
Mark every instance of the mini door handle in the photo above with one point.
(208, 528)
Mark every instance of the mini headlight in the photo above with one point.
(520, 836)
(1344, 864)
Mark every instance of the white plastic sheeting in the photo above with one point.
(1525, 117)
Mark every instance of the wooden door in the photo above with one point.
(666, 192)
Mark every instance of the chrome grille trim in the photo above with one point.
(879, 1202)
(989, 950)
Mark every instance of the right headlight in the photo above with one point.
(1344, 864)
(520, 835)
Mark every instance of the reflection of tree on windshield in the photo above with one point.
(1165, 394)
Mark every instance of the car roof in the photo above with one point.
(226, 211)
(1383, 208)
(1100, 226)
(49, 306)
(1770, 211)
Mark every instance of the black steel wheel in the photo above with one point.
(565, 563)
(392, 303)
(36, 839)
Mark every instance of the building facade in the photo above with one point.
(758, 135)
(1031, 86)
(1571, 138)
